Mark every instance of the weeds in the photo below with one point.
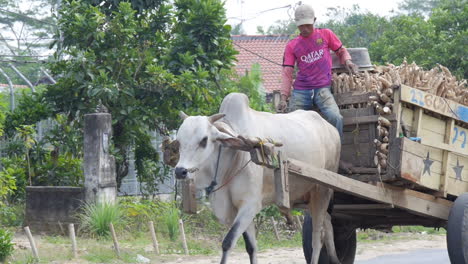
(95, 218)
(170, 219)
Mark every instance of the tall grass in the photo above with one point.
(170, 218)
(95, 218)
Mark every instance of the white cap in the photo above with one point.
(304, 14)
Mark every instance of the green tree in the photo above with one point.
(427, 41)
(354, 27)
(144, 65)
(237, 29)
(408, 36)
(450, 20)
(282, 27)
(418, 7)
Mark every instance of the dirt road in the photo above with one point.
(294, 255)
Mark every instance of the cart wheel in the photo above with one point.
(345, 242)
(344, 235)
(457, 231)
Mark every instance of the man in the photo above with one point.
(310, 51)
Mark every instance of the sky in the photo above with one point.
(264, 12)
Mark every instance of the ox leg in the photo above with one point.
(319, 201)
(241, 223)
(251, 243)
(329, 239)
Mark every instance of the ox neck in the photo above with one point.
(213, 183)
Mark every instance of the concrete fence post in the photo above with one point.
(99, 166)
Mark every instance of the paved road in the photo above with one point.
(422, 256)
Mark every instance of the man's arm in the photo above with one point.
(286, 83)
(345, 59)
(340, 51)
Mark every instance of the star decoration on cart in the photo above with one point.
(427, 164)
(458, 170)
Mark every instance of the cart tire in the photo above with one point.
(344, 235)
(457, 231)
(345, 242)
(307, 241)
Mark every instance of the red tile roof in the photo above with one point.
(264, 50)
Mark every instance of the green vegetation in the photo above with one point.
(6, 245)
(11, 215)
(95, 219)
(203, 232)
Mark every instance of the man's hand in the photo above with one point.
(282, 104)
(351, 67)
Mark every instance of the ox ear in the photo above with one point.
(170, 151)
(183, 115)
(215, 118)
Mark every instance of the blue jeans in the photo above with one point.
(324, 100)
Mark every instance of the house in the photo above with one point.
(267, 51)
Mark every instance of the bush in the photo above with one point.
(6, 245)
(140, 211)
(95, 218)
(12, 215)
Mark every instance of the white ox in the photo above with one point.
(305, 135)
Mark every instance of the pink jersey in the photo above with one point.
(313, 59)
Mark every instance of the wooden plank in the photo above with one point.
(358, 112)
(365, 119)
(444, 176)
(397, 110)
(393, 196)
(456, 187)
(413, 169)
(352, 98)
(361, 206)
(421, 195)
(281, 183)
(421, 164)
(357, 154)
(433, 129)
(434, 103)
(357, 136)
(443, 146)
(189, 200)
(459, 137)
(354, 127)
(434, 124)
(417, 122)
(421, 150)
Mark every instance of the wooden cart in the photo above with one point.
(424, 183)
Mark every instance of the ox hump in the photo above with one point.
(234, 103)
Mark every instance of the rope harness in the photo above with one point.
(213, 183)
(210, 189)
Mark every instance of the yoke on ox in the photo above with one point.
(211, 153)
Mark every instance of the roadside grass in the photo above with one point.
(203, 232)
(398, 233)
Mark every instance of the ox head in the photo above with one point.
(199, 138)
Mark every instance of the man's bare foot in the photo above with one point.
(345, 167)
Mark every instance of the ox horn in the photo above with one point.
(215, 117)
(183, 115)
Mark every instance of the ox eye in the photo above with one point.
(203, 142)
